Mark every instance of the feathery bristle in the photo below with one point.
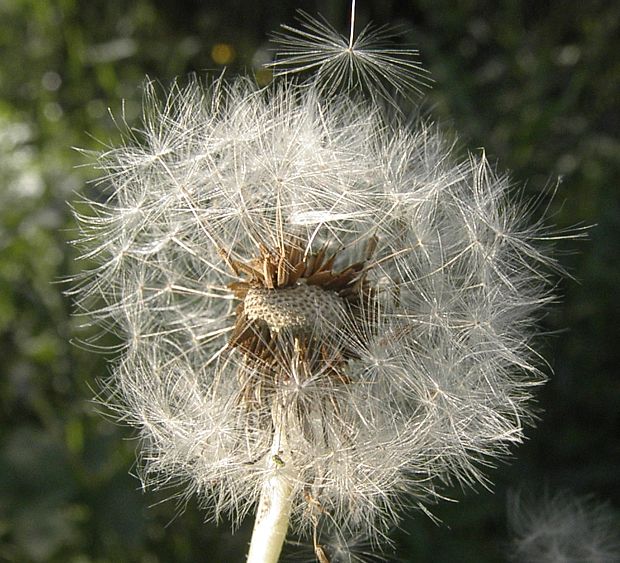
(369, 62)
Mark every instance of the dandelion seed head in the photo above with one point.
(279, 258)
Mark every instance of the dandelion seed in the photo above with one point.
(562, 528)
(367, 62)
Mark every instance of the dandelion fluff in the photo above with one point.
(368, 61)
(563, 528)
(311, 296)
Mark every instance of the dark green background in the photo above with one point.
(536, 83)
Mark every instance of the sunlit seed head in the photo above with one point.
(261, 216)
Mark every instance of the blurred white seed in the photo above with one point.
(563, 528)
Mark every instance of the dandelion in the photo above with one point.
(563, 528)
(327, 316)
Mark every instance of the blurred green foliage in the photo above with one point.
(535, 83)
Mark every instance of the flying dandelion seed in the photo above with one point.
(325, 313)
(368, 61)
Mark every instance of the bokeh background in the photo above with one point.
(536, 83)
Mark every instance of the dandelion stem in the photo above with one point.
(352, 29)
(274, 507)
